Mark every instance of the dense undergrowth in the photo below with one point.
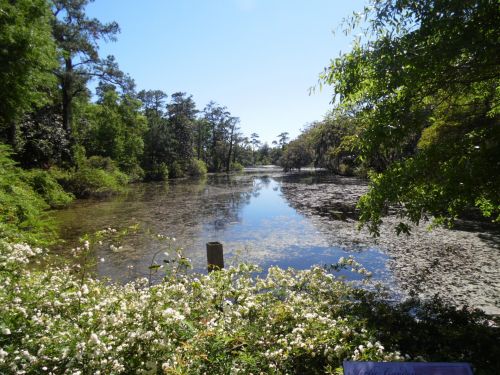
(62, 320)
(26, 195)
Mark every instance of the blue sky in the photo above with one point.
(257, 57)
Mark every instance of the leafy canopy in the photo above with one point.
(27, 56)
(424, 87)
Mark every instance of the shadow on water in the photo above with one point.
(488, 232)
(247, 212)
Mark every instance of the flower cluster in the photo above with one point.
(230, 321)
(13, 256)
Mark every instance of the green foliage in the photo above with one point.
(181, 112)
(157, 172)
(21, 206)
(230, 321)
(237, 167)
(42, 141)
(297, 155)
(113, 128)
(330, 142)
(220, 135)
(196, 168)
(95, 176)
(135, 173)
(77, 38)
(424, 91)
(87, 181)
(176, 170)
(27, 57)
(44, 183)
(99, 162)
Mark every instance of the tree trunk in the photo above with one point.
(235, 150)
(228, 160)
(199, 141)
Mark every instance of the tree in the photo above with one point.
(182, 116)
(283, 139)
(216, 118)
(333, 140)
(157, 138)
(42, 141)
(202, 135)
(255, 144)
(298, 154)
(115, 129)
(77, 38)
(425, 91)
(152, 101)
(27, 56)
(232, 126)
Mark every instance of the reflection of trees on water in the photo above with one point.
(259, 184)
(215, 201)
(227, 207)
(193, 211)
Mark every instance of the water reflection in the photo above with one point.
(246, 212)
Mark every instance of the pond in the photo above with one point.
(248, 213)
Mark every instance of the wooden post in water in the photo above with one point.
(215, 256)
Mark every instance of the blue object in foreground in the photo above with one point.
(406, 368)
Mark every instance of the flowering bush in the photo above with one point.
(63, 321)
(226, 322)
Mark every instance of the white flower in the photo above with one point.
(85, 289)
(94, 338)
(6, 331)
(173, 314)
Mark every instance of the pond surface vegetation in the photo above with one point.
(246, 212)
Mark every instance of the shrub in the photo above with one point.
(100, 162)
(135, 173)
(345, 169)
(304, 322)
(236, 167)
(95, 176)
(221, 323)
(196, 168)
(48, 188)
(176, 170)
(87, 181)
(157, 172)
(21, 207)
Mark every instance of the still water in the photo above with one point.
(247, 213)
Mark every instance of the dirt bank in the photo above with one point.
(461, 265)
